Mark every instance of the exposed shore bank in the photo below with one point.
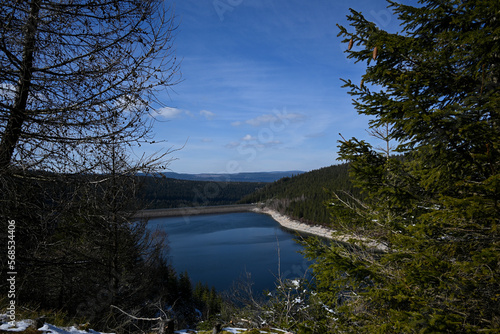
(295, 225)
(319, 231)
(195, 210)
(283, 220)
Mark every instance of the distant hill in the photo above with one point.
(164, 192)
(304, 196)
(236, 177)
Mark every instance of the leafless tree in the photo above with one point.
(79, 82)
(78, 74)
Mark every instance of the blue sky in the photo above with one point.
(261, 87)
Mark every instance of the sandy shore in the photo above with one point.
(283, 220)
(320, 231)
(295, 225)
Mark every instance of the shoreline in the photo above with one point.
(319, 231)
(282, 220)
(194, 210)
(296, 225)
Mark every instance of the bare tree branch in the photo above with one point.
(67, 70)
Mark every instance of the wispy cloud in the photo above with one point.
(232, 145)
(207, 114)
(248, 138)
(278, 116)
(272, 98)
(170, 113)
(269, 143)
(260, 120)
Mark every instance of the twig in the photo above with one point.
(136, 318)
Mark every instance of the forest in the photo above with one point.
(162, 193)
(306, 196)
(78, 81)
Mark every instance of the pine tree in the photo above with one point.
(435, 208)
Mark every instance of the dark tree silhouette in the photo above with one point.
(78, 74)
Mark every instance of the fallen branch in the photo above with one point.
(164, 323)
(134, 317)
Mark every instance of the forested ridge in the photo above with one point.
(163, 193)
(305, 196)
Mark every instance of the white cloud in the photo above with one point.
(261, 120)
(168, 112)
(207, 114)
(248, 138)
(233, 144)
(278, 116)
(267, 144)
(237, 123)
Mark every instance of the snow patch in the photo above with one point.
(19, 325)
(51, 329)
(47, 328)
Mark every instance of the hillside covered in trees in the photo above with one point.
(162, 193)
(305, 196)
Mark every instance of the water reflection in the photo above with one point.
(219, 249)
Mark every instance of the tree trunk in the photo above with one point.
(217, 329)
(18, 113)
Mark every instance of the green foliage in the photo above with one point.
(207, 301)
(198, 305)
(253, 331)
(161, 193)
(262, 331)
(303, 196)
(435, 87)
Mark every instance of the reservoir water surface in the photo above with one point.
(219, 249)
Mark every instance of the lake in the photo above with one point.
(219, 249)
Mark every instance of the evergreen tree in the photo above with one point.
(436, 210)
(303, 196)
